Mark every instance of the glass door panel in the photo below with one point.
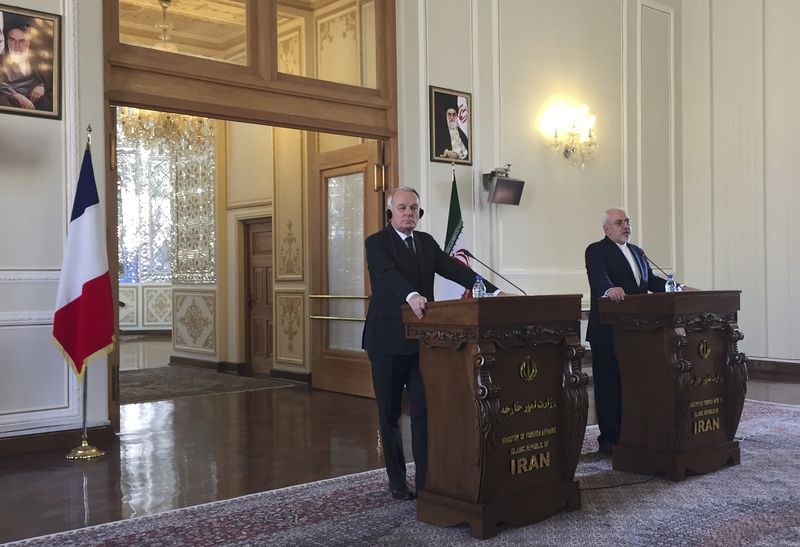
(345, 259)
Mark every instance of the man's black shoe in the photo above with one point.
(606, 448)
(401, 492)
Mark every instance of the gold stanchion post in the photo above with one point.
(85, 451)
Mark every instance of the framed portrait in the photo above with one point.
(30, 62)
(450, 126)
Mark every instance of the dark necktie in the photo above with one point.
(410, 244)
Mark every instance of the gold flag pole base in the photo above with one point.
(84, 452)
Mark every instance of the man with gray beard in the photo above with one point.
(22, 84)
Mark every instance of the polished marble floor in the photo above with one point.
(173, 454)
(139, 351)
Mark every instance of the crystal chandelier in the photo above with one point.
(166, 168)
(164, 129)
(164, 29)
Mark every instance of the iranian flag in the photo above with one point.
(454, 246)
(83, 325)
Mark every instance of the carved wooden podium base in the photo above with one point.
(507, 409)
(683, 381)
(675, 466)
(482, 518)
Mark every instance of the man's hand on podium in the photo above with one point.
(418, 303)
(615, 294)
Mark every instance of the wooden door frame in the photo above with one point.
(324, 165)
(144, 78)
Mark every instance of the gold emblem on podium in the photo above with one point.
(528, 369)
(704, 349)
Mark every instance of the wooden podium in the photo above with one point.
(683, 381)
(507, 409)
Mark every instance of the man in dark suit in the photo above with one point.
(402, 263)
(615, 268)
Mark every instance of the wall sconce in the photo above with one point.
(571, 132)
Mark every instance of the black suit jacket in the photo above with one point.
(606, 267)
(394, 273)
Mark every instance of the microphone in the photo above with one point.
(647, 258)
(501, 276)
(680, 286)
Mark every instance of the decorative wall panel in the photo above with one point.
(157, 306)
(194, 320)
(291, 54)
(290, 326)
(289, 184)
(657, 123)
(128, 315)
(339, 43)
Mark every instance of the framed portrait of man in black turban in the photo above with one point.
(30, 62)
(450, 133)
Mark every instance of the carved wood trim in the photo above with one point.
(487, 401)
(690, 323)
(530, 335)
(575, 411)
(735, 375)
(438, 337)
(682, 369)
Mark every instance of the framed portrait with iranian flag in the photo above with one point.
(450, 126)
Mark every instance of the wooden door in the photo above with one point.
(258, 335)
(346, 206)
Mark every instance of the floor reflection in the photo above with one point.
(174, 454)
(138, 351)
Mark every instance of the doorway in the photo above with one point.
(259, 291)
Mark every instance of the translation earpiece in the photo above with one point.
(389, 213)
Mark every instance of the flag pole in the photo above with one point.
(85, 451)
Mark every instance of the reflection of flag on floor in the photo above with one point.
(453, 245)
(83, 324)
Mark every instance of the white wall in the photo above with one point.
(740, 169)
(40, 159)
(515, 56)
(696, 113)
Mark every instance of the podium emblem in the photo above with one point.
(528, 369)
(704, 349)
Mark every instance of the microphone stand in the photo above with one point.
(659, 269)
(501, 276)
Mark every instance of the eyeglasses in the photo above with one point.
(622, 221)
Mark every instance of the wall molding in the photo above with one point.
(25, 318)
(670, 13)
(29, 276)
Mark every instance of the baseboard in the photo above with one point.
(239, 369)
(103, 437)
(774, 371)
(195, 363)
(225, 367)
(143, 332)
(304, 377)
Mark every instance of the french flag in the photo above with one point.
(83, 325)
